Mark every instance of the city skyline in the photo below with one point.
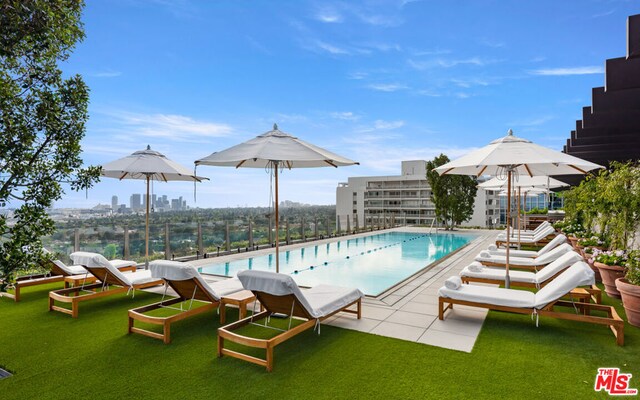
(378, 82)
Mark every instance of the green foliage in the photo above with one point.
(42, 120)
(453, 195)
(609, 202)
(633, 268)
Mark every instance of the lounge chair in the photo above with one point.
(278, 293)
(514, 231)
(476, 272)
(58, 271)
(557, 241)
(187, 282)
(532, 264)
(543, 303)
(107, 274)
(542, 237)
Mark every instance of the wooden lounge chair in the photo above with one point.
(514, 231)
(531, 264)
(543, 303)
(476, 272)
(538, 239)
(58, 271)
(112, 281)
(278, 293)
(187, 282)
(555, 242)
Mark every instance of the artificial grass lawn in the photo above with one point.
(54, 356)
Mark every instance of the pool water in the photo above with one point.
(371, 263)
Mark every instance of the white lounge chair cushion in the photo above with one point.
(562, 263)
(538, 228)
(319, 301)
(555, 242)
(95, 260)
(182, 271)
(579, 274)
(524, 261)
(498, 274)
(529, 239)
(490, 295)
(70, 269)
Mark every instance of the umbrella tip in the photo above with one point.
(275, 127)
(510, 132)
(148, 147)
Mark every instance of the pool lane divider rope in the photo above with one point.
(363, 253)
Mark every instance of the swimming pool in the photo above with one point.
(370, 263)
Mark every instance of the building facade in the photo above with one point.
(405, 199)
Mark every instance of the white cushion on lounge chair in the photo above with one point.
(319, 301)
(579, 274)
(524, 261)
(555, 242)
(562, 263)
(529, 239)
(70, 269)
(498, 274)
(490, 295)
(95, 260)
(182, 271)
(538, 228)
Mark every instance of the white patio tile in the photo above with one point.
(398, 331)
(362, 325)
(413, 319)
(420, 308)
(466, 327)
(378, 313)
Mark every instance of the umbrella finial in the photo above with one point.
(148, 147)
(510, 132)
(275, 127)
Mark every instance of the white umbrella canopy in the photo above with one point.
(148, 165)
(275, 150)
(511, 155)
(524, 182)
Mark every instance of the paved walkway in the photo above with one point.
(409, 311)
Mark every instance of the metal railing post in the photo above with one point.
(167, 242)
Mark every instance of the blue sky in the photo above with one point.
(376, 81)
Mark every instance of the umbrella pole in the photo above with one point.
(146, 235)
(519, 200)
(277, 224)
(507, 280)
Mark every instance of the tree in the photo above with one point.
(42, 120)
(453, 195)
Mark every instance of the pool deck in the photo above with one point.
(409, 311)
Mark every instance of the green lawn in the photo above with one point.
(56, 357)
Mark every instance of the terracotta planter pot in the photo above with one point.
(573, 241)
(609, 274)
(595, 270)
(630, 300)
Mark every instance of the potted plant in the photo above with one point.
(611, 265)
(629, 288)
(587, 253)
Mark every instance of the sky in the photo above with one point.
(376, 81)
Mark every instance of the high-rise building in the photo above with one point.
(134, 202)
(114, 203)
(405, 197)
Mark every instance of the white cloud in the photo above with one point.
(491, 43)
(604, 14)
(166, 126)
(467, 83)
(381, 125)
(387, 87)
(329, 16)
(357, 75)
(329, 48)
(448, 63)
(345, 116)
(568, 71)
(534, 121)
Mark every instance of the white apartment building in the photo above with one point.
(405, 198)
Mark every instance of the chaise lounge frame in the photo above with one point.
(287, 305)
(78, 294)
(613, 320)
(187, 290)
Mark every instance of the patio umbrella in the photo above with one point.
(527, 185)
(275, 150)
(148, 165)
(509, 156)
